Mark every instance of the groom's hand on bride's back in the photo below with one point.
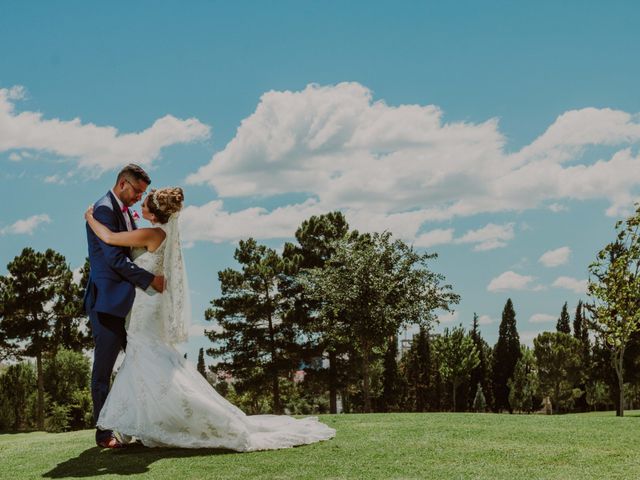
(158, 283)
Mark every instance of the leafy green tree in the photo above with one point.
(505, 357)
(316, 239)
(563, 324)
(31, 297)
(458, 357)
(524, 384)
(558, 358)
(614, 286)
(255, 342)
(66, 381)
(17, 384)
(376, 285)
(201, 366)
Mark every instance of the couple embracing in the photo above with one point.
(137, 299)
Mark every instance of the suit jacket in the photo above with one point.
(113, 276)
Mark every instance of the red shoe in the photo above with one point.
(111, 442)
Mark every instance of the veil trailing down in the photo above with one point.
(161, 399)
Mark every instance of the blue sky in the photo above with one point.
(501, 135)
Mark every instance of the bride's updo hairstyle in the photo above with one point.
(165, 201)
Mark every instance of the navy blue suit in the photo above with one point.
(108, 298)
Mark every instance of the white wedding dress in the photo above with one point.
(162, 400)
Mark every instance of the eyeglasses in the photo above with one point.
(142, 193)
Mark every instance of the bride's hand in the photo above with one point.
(89, 213)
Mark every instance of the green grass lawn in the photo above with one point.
(376, 446)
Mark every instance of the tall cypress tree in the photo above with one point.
(482, 372)
(418, 370)
(391, 378)
(563, 324)
(581, 332)
(506, 355)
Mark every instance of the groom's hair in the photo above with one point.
(133, 172)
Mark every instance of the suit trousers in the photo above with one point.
(110, 337)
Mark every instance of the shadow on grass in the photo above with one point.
(127, 461)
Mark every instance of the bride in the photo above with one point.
(157, 396)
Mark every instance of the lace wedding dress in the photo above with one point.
(162, 400)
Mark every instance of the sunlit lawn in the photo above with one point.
(377, 446)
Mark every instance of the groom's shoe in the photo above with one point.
(111, 442)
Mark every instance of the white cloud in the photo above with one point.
(511, 281)
(434, 237)
(404, 166)
(527, 336)
(570, 283)
(556, 207)
(555, 258)
(448, 317)
(210, 222)
(488, 237)
(95, 148)
(485, 320)
(26, 226)
(541, 318)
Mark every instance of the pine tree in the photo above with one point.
(505, 357)
(563, 324)
(316, 239)
(257, 343)
(31, 296)
(201, 366)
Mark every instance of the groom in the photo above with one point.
(111, 288)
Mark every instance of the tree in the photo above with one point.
(391, 377)
(17, 384)
(563, 324)
(201, 366)
(418, 370)
(66, 381)
(479, 401)
(316, 239)
(482, 372)
(524, 383)
(376, 285)
(614, 286)
(31, 296)
(558, 359)
(255, 342)
(505, 357)
(581, 333)
(457, 358)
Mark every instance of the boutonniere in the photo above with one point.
(135, 215)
